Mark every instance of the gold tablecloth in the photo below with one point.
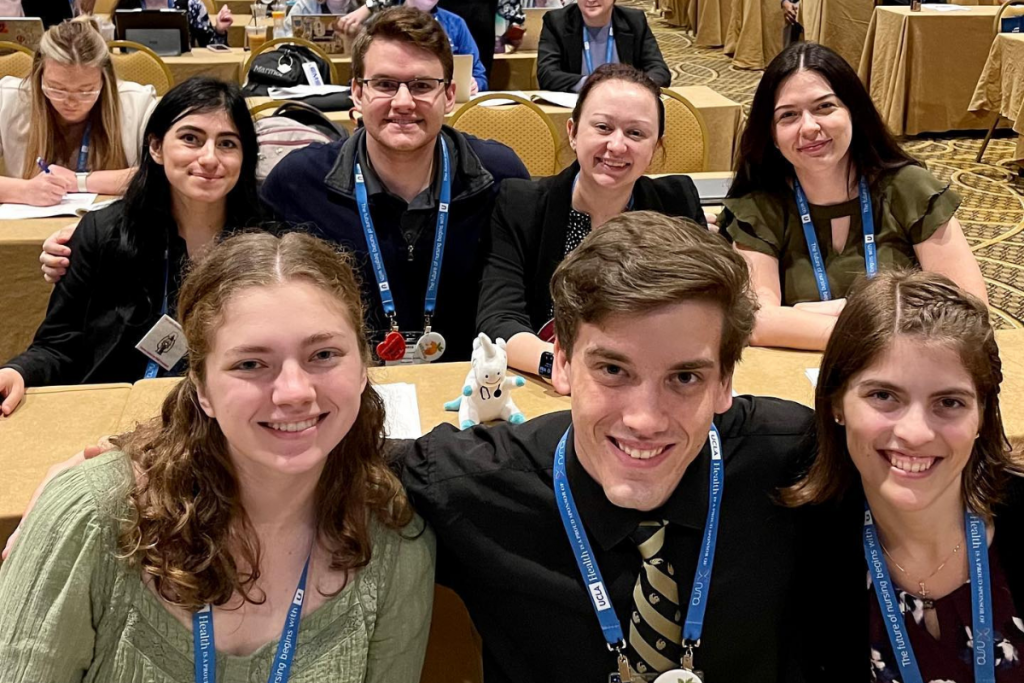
(754, 34)
(922, 67)
(226, 66)
(1001, 86)
(724, 119)
(707, 19)
(839, 24)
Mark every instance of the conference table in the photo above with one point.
(1000, 88)
(724, 119)
(754, 31)
(922, 68)
(708, 20)
(511, 71)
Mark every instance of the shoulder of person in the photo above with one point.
(93, 492)
(758, 208)
(632, 14)
(13, 92)
(911, 174)
(99, 227)
(671, 188)
(307, 165)
(766, 416)
(558, 17)
(135, 92)
(497, 158)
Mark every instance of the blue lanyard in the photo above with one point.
(377, 259)
(607, 52)
(281, 670)
(83, 152)
(629, 206)
(152, 369)
(610, 625)
(867, 221)
(981, 600)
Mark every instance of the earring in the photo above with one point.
(838, 420)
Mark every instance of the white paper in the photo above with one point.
(69, 206)
(945, 8)
(812, 376)
(299, 91)
(497, 102)
(96, 206)
(559, 99)
(401, 409)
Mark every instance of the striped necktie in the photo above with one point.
(655, 633)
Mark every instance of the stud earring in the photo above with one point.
(838, 420)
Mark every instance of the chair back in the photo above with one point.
(141, 66)
(272, 45)
(686, 137)
(454, 650)
(259, 110)
(211, 9)
(522, 126)
(105, 7)
(15, 60)
(1018, 9)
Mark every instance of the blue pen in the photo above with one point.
(43, 166)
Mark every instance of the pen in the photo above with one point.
(43, 166)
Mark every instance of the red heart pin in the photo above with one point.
(392, 348)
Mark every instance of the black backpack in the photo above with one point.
(282, 68)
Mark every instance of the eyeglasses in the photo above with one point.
(63, 95)
(420, 88)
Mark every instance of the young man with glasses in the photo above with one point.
(383, 193)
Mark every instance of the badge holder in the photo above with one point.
(393, 346)
(165, 343)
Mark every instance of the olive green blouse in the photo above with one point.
(909, 205)
(71, 611)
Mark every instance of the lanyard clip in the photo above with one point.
(426, 324)
(394, 321)
(688, 656)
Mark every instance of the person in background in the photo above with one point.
(11, 8)
(909, 429)
(72, 115)
(823, 194)
(461, 39)
(260, 499)
(196, 178)
(577, 39)
(352, 14)
(616, 130)
(202, 30)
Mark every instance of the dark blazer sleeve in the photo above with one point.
(649, 59)
(57, 354)
(503, 309)
(551, 58)
(672, 195)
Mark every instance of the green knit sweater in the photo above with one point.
(71, 611)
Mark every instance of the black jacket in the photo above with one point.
(101, 308)
(50, 11)
(560, 52)
(315, 187)
(526, 243)
(833, 560)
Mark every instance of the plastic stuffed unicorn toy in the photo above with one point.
(486, 394)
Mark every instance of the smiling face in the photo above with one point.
(811, 126)
(617, 133)
(911, 420)
(201, 155)
(71, 79)
(644, 391)
(285, 394)
(596, 12)
(403, 123)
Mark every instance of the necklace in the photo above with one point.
(921, 582)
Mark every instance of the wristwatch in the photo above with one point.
(82, 177)
(547, 364)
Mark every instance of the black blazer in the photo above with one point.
(560, 52)
(101, 308)
(833, 557)
(526, 243)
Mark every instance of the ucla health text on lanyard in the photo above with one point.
(152, 369)
(607, 52)
(377, 259)
(610, 626)
(868, 222)
(981, 601)
(205, 652)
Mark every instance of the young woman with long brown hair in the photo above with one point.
(72, 114)
(259, 499)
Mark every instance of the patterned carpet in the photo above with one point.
(992, 212)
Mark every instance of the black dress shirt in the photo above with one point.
(502, 547)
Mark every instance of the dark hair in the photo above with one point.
(643, 260)
(930, 309)
(620, 72)
(761, 166)
(147, 201)
(405, 25)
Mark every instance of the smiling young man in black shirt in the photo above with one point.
(652, 314)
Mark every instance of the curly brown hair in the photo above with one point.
(189, 531)
(924, 306)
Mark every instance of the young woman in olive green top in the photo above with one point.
(814, 129)
(265, 472)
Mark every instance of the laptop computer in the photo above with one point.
(164, 31)
(24, 31)
(319, 30)
(463, 77)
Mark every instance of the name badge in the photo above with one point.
(165, 343)
(412, 355)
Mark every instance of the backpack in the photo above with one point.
(292, 126)
(282, 68)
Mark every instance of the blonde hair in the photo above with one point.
(77, 42)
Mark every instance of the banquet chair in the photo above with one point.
(141, 65)
(1017, 9)
(15, 60)
(523, 126)
(686, 143)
